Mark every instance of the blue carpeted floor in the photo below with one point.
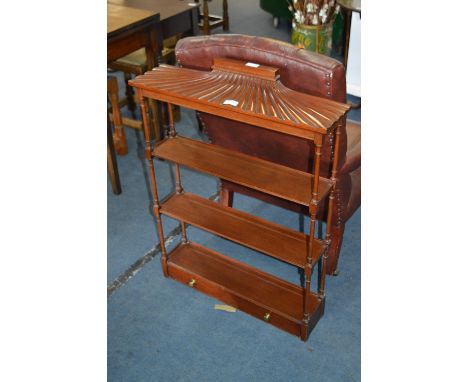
(160, 330)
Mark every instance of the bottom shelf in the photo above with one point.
(257, 293)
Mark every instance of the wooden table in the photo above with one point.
(129, 29)
(176, 16)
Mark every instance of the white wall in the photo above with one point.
(353, 74)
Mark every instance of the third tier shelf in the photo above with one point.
(256, 233)
(258, 174)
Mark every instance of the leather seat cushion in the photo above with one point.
(355, 198)
(353, 147)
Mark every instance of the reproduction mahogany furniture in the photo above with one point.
(303, 71)
(253, 94)
(209, 21)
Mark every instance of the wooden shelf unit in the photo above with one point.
(272, 239)
(259, 174)
(252, 94)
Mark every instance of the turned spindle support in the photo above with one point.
(313, 218)
(154, 188)
(179, 188)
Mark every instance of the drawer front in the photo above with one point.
(219, 292)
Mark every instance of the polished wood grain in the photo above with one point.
(246, 288)
(249, 68)
(121, 18)
(176, 16)
(249, 171)
(261, 102)
(259, 234)
(165, 8)
(129, 29)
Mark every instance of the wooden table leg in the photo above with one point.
(112, 161)
(206, 18)
(225, 15)
(151, 62)
(120, 141)
(347, 28)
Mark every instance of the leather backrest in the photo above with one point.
(299, 69)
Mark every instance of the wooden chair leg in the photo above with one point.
(120, 141)
(225, 15)
(226, 197)
(129, 95)
(206, 18)
(112, 168)
(334, 251)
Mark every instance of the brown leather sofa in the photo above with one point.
(300, 70)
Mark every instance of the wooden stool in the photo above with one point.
(135, 64)
(208, 22)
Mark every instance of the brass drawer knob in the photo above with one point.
(266, 317)
(192, 283)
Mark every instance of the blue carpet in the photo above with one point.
(160, 330)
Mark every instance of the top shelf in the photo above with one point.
(245, 92)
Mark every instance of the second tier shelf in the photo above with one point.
(256, 233)
(246, 170)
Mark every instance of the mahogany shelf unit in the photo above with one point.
(272, 178)
(253, 94)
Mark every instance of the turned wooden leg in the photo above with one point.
(335, 247)
(225, 16)
(129, 94)
(112, 168)
(226, 197)
(206, 18)
(155, 119)
(120, 141)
